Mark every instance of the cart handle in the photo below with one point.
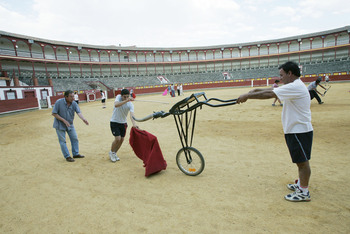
(155, 115)
(177, 111)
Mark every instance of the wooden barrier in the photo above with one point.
(8, 106)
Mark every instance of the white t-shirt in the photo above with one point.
(296, 113)
(120, 113)
(312, 86)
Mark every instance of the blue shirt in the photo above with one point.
(67, 112)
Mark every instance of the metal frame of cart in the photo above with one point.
(189, 160)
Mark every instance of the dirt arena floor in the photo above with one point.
(241, 189)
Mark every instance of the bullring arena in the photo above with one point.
(241, 189)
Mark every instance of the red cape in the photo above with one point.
(146, 147)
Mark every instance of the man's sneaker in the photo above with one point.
(320, 103)
(112, 156)
(298, 196)
(116, 157)
(293, 187)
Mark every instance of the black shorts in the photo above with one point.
(118, 129)
(299, 145)
(103, 100)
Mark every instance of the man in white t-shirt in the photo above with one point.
(122, 106)
(103, 98)
(296, 122)
(76, 97)
(313, 90)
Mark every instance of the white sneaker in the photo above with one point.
(116, 157)
(294, 186)
(298, 196)
(112, 156)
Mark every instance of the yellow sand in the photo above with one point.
(241, 189)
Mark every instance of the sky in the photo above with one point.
(170, 23)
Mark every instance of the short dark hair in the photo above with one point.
(125, 92)
(291, 66)
(66, 94)
(277, 81)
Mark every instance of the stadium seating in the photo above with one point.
(73, 66)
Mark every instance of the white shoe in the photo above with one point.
(116, 157)
(112, 156)
(298, 196)
(294, 186)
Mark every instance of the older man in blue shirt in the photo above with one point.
(63, 112)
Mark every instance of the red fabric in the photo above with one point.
(133, 95)
(146, 147)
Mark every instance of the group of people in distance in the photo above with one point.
(296, 123)
(171, 90)
(103, 98)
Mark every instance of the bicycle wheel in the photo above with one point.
(190, 161)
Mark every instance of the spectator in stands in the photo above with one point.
(76, 98)
(63, 112)
(118, 123)
(313, 90)
(103, 99)
(296, 122)
(275, 85)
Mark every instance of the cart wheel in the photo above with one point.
(190, 161)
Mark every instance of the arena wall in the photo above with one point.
(9, 106)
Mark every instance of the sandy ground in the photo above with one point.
(241, 189)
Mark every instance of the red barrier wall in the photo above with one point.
(18, 104)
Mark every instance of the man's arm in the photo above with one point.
(118, 104)
(259, 90)
(82, 118)
(262, 94)
(133, 121)
(322, 86)
(61, 119)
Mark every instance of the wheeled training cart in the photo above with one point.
(189, 160)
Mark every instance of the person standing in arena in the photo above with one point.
(296, 122)
(181, 90)
(313, 90)
(327, 80)
(118, 122)
(103, 98)
(63, 112)
(275, 85)
(76, 98)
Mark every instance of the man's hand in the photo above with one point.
(66, 122)
(85, 121)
